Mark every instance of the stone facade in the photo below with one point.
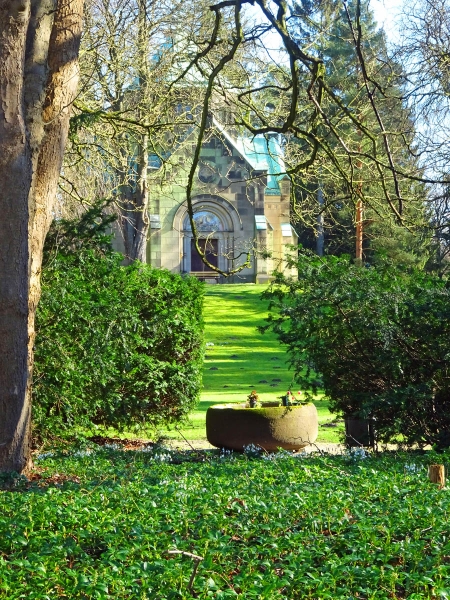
(241, 204)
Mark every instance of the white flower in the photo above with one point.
(45, 455)
(81, 453)
(412, 468)
(252, 450)
(357, 453)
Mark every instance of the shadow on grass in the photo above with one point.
(240, 357)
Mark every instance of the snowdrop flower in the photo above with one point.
(252, 450)
(358, 453)
(162, 457)
(81, 453)
(45, 455)
(412, 468)
(302, 454)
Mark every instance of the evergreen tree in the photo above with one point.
(324, 197)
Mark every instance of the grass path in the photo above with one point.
(239, 358)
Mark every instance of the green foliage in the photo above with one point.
(325, 26)
(88, 231)
(273, 528)
(117, 346)
(238, 358)
(380, 337)
(84, 119)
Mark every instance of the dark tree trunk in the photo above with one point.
(15, 183)
(39, 43)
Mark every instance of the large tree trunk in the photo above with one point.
(39, 43)
(15, 183)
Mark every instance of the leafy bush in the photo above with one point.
(118, 346)
(379, 337)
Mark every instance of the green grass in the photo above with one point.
(239, 358)
(270, 528)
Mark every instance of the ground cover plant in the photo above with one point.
(238, 359)
(99, 522)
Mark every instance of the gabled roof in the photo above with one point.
(262, 153)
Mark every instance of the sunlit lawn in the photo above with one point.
(239, 358)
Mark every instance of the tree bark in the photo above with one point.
(141, 220)
(320, 239)
(135, 220)
(39, 44)
(15, 183)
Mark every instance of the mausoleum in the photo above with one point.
(241, 202)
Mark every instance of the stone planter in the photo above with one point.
(233, 426)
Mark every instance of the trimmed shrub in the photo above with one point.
(117, 346)
(378, 337)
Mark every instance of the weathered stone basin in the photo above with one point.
(234, 426)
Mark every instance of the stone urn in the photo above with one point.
(234, 426)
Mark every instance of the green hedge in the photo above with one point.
(117, 346)
(379, 337)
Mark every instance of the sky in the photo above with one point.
(386, 14)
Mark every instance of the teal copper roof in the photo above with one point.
(262, 152)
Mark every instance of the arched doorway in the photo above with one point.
(210, 228)
(210, 247)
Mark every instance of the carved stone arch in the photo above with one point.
(218, 222)
(217, 205)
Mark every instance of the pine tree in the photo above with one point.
(325, 197)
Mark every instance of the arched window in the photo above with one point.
(205, 221)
